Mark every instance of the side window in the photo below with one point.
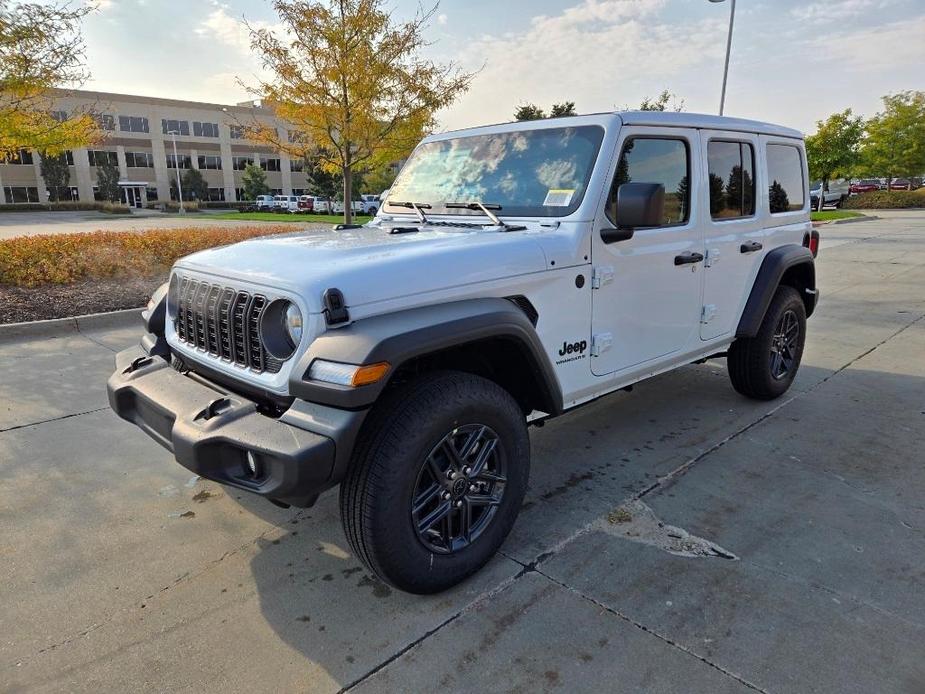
(732, 179)
(785, 174)
(655, 160)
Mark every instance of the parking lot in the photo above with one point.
(678, 538)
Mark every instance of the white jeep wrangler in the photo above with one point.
(513, 273)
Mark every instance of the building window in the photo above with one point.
(237, 132)
(785, 172)
(69, 157)
(241, 163)
(205, 129)
(298, 191)
(270, 164)
(216, 195)
(133, 124)
(732, 179)
(61, 193)
(184, 161)
(296, 165)
(179, 127)
(105, 121)
(210, 162)
(22, 158)
(276, 191)
(139, 160)
(18, 194)
(239, 194)
(655, 160)
(151, 192)
(100, 157)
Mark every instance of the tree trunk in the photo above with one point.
(348, 194)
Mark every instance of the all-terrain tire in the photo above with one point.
(757, 364)
(401, 444)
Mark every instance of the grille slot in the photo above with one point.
(224, 323)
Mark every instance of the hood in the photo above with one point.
(370, 264)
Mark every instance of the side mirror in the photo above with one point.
(640, 205)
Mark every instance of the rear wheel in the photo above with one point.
(437, 481)
(764, 366)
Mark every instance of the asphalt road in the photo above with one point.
(791, 555)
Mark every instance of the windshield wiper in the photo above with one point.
(416, 206)
(486, 208)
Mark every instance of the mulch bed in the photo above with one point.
(19, 304)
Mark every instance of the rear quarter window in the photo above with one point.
(785, 178)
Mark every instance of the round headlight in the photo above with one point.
(281, 328)
(294, 323)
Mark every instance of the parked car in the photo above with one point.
(405, 359)
(369, 204)
(865, 185)
(835, 195)
(286, 203)
(900, 184)
(306, 204)
(265, 203)
(337, 207)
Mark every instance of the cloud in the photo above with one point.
(832, 11)
(602, 54)
(441, 19)
(878, 49)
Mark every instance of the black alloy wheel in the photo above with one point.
(458, 489)
(784, 345)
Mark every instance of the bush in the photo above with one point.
(29, 261)
(885, 200)
(66, 206)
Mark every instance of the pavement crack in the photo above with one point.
(91, 338)
(53, 419)
(642, 627)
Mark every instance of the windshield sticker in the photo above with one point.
(558, 197)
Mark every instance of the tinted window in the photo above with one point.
(732, 179)
(785, 176)
(540, 173)
(655, 160)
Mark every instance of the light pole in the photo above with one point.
(176, 162)
(732, 16)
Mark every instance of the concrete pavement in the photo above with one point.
(121, 572)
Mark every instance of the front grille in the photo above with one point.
(224, 323)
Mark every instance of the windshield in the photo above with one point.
(530, 173)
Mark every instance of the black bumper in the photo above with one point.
(211, 431)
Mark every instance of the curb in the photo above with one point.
(850, 220)
(59, 327)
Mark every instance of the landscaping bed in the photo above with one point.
(19, 304)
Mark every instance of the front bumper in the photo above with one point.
(211, 431)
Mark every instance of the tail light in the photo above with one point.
(811, 241)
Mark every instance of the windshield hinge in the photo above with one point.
(601, 276)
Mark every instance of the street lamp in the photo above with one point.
(732, 16)
(176, 163)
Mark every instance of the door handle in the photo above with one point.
(688, 258)
(750, 247)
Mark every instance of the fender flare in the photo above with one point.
(404, 335)
(773, 268)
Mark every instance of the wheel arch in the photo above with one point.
(493, 338)
(789, 265)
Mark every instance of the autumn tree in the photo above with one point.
(55, 173)
(895, 137)
(833, 150)
(352, 82)
(41, 50)
(663, 102)
(254, 180)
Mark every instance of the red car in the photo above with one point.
(866, 185)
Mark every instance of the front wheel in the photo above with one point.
(436, 481)
(764, 366)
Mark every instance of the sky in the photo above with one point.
(792, 62)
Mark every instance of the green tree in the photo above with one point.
(55, 173)
(663, 102)
(381, 179)
(777, 198)
(41, 49)
(254, 180)
(194, 185)
(353, 82)
(895, 141)
(716, 194)
(107, 179)
(833, 150)
(529, 112)
(566, 108)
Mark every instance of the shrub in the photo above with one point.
(885, 200)
(66, 206)
(29, 261)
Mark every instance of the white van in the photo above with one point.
(286, 203)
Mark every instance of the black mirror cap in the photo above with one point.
(640, 205)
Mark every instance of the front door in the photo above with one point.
(646, 301)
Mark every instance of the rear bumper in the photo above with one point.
(211, 431)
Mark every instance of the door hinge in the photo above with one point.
(712, 257)
(601, 276)
(708, 313)
(600, 343)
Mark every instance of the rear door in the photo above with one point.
(733, 229)
(646, 296)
